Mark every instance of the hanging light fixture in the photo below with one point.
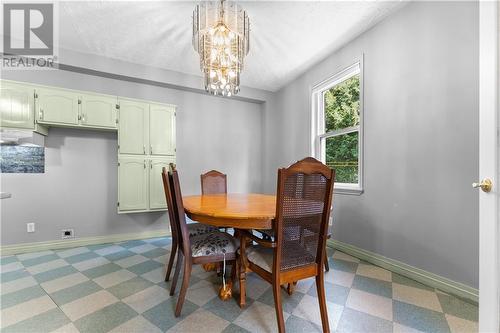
(221, 33)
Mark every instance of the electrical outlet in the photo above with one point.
(67, 233)
(30, 227)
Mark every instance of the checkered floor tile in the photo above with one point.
(120, 288)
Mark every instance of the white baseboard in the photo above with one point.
(65, 243)
(430, 279)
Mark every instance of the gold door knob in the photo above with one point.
(485, 185)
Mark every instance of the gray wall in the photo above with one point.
(79, 187)
(421, 138)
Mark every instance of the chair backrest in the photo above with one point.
(213, 182)
(172, 209)
(304, 198)
(181, 225)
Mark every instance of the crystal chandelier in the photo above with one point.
(221, 37)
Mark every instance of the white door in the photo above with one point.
(156, 190)
(98, 111)
(17, 102)
(489, 231)
(57, 106)
(161, 129)
(133, 134)
(132, 183)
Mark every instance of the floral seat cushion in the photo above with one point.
(213, 243)
(196, 229)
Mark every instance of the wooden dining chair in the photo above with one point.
(304, 198)
(194, 229)
(213, 182)
(214, 246)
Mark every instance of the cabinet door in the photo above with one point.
(17, 103)
(132, 183)
(54, 106)
(98, 111)
(156, 192)
(133, 127)
(162, 130)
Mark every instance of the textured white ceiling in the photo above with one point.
(286, 37)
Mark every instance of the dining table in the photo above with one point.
(240, 211)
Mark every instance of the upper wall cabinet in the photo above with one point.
(16, 105)
(162, 129)
(133, 136)
(98, 111)
(54, 106)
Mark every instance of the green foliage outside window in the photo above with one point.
(342, 111)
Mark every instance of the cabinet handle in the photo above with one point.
(151, 165)
(79, 117)
(83, 118)
(151, 149)
(144, 164)
(144, 149)
(41, 114)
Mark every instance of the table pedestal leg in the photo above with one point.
(241, 268)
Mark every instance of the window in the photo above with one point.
(337, 127)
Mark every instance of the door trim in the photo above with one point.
(489, 275)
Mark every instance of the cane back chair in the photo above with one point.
(304, 198)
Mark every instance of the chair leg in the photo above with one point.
(185, 284)
(291, 287)
(171, 259)
(242, 278)
(320, 287)
(279, 307)
(176, 273)
(327, 265)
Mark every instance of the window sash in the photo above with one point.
(322, 147)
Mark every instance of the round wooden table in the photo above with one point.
(238, 211)
(233, 210)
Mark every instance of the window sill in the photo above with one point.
(348, 190)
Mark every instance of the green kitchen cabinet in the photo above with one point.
(56, 106)
(133, 180)
(162, 129)
(98, 111)
(133, 123)
(17, 105)
(156, 191)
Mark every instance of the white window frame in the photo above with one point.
(318, 135)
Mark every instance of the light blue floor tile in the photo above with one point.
(8, 260)
(289, 302)
(144, 267)
(162, 242)
(70, 294)
(373, 286)
(119, 255)
(396, 278)
(163, 316)
(40, 260)
(155, 253)
(298, 325)
(353, 321)
(342, 265)
(419, 318)
(101, 270)
(131, 244)
(233, 328)
(334, 293)
(80, 257)
(98, 246)
(45, 322)
(14, 275)
(105, 319)
(458, 308)
(130, 287)
(21, 296)
(54, 273)
(228, 310)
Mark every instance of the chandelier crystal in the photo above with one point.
(221, 37)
